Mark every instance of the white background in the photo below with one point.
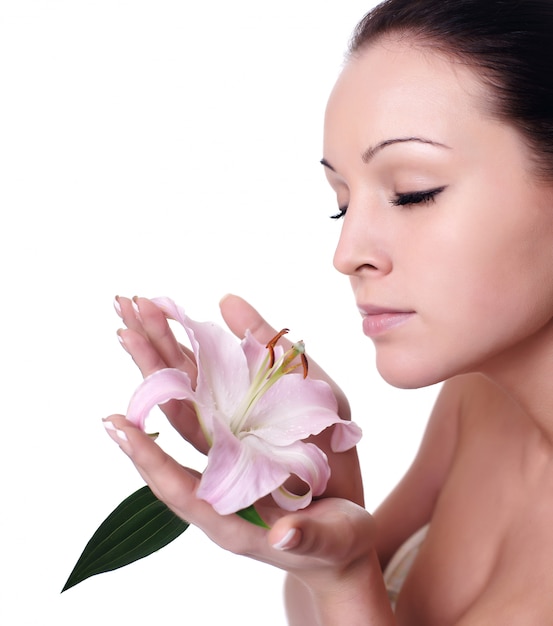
(159, 148)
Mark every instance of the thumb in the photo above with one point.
(240, 316)
(332, 530)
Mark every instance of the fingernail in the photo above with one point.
(117, 306)
(121, 341)
(288, 541)
(114, 432)
(135, 307)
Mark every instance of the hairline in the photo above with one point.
(488, 101)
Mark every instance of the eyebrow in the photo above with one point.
(370, 152)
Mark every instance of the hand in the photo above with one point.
(322, 544)
(325, 539)
(151, 343)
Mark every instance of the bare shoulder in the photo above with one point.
(410, 505)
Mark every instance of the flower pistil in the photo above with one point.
(271, 370)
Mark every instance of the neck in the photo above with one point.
(526, 375)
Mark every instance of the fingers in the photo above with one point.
(333, 531)
(330, 534)
(240, 316)
(170, 482)
(124, 308)
(149, 339)
(137, 344)
(160, 334)
(153, 346)
(176, 486)
(180, 414)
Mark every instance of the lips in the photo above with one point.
(378, 320)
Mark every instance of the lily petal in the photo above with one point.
(290, 501)
(310, 464)
(294, 408)
(254, 417)
(239, 472)
(159, 387)
(223, 374)
(346, 435)
(255, 352)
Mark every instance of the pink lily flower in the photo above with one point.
(255, 409)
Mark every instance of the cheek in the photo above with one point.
(488, 280)
(485, 250)
(478, 292)
(511, 263)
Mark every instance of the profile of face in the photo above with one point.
(447, 237)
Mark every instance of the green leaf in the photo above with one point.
(251, 515)
(139, 526)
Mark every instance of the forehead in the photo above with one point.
(394, 89)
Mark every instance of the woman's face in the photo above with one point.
(447, 239)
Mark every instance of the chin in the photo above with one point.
(410, 374)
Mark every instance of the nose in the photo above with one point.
(362, 248)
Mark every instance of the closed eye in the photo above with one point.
(402, 199)
(416, 197)
(341, 212)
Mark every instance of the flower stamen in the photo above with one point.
(271, 345)
(297, 349)
(305, 364)
(269, 373)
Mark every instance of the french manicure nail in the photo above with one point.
(120, 434)
(121, 341)
(135, 307)
(117, 306)
(288, 541)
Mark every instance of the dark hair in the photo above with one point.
(508, 42)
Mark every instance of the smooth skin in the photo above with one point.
(445, 220)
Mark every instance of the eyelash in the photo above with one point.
(402, 200)
(340, 214)
(416, 197)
